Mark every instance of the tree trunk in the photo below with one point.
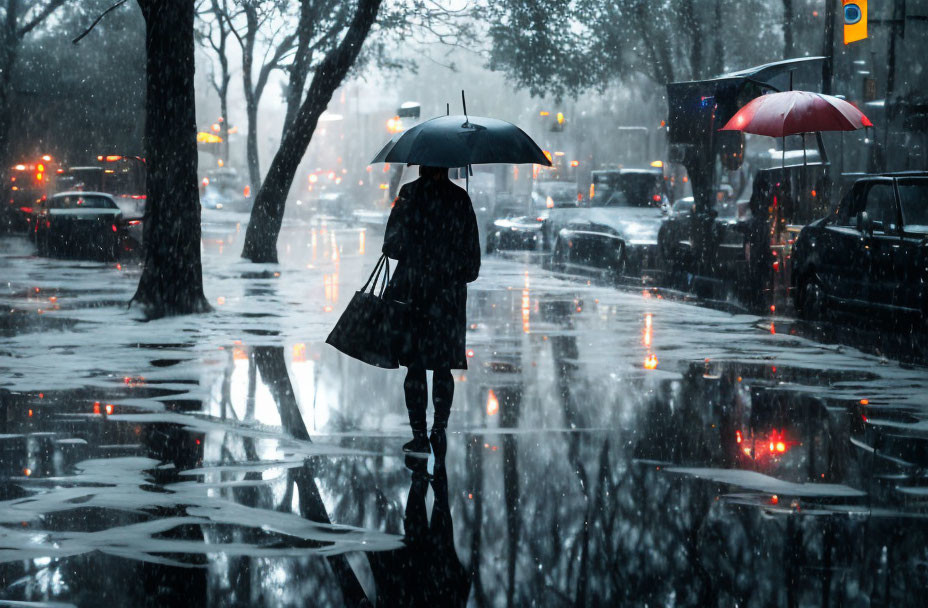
(251, 100)
(691, 25)
(273, 367)
(299, 70)
(268, 210)
(251, 145)
(172, 277)
(788, 29)
(224, 110)
(8, 50)
(6, 62)
(224, 78)
(718, 45)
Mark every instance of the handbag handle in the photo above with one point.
(382, 266)
(386, 276)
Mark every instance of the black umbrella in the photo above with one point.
(458, 141)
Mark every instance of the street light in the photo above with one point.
(409, 109)
(394, 125)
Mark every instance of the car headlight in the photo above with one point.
(218, 205)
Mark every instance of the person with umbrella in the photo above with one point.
(432, 233)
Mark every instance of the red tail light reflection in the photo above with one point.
(773, 445)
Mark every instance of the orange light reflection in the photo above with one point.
(492, 403)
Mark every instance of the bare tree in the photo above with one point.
(267, 212)
(213, 35)
(319, 24)
(320, 49)
(257, 15)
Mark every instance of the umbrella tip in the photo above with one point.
(447, 109)
(464, 105)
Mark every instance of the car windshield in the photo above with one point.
(508, 207)
(913, 194)
(224, 179)
(684, 205)
(81, 178)
(556, 194)
(626, 190)
(727, 209)
(81, 202)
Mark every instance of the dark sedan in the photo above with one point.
(84, 224)
(617, 230)
(871, 254)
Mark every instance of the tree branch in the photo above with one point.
(43, 15)
(92, 25)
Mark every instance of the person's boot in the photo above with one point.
(419, 443)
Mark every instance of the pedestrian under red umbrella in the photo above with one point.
(432, 232)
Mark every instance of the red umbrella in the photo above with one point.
(795, 112)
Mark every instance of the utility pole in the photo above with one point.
(828, 50)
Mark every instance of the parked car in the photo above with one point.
(521, 225)
(509, 226)
(522, 233)
(675, 237)
(553, 204)
(617, 229)
(871, 254)
(83, 224)
(223, 189)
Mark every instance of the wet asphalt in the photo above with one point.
(608, 445)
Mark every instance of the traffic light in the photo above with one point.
(558, 123)
(855, 20)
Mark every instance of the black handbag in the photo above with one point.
(369, 327)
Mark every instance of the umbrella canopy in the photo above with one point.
(458, 141)
(795, 112)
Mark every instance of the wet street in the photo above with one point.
(607, 446)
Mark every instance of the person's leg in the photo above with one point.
(417, 397)
(442, 395)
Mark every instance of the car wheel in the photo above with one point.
(811, 299)
(617, 267)
(41, 244)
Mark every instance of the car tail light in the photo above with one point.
(134, 222)
(114, 228)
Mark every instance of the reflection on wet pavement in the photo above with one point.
(606, 447)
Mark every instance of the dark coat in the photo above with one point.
(432, 233)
